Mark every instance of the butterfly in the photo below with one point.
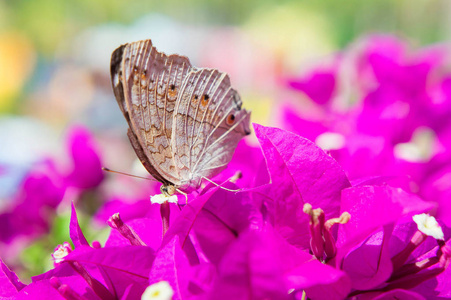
(184, 122)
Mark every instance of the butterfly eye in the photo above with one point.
(230, 119)
(204, 100)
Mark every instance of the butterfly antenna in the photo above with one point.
(232, 179)
(122, 173)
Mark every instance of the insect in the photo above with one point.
(184, 122)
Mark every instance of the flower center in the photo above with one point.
(158, 291)
(60, 252)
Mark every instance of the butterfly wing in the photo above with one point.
(146, 84)
(208, 124)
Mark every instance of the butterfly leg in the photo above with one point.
(184, 194)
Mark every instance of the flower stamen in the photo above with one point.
(322, 242)
(60, 252)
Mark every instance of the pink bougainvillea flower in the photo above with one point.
(12, 288)
(300, 172)
(86, 171)
(260, 262)
(31, 212)
(389, 115)
(224, 238)
(438, 187)
(364, 209)
(382, 206)
(380, 248)
(319, 85)
(187, 279)
(275, 240)
(250, 269)
(85, 272)
(10, 284)
(378, 228)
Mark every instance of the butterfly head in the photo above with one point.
(167, 190)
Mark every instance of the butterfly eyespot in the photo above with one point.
(230, 119)
(204, 100)
(135, 69)
(172, 91)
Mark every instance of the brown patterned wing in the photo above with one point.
(208, 124)
(146, 84)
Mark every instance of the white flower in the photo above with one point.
(158, 291)
(162, 198)
(429, 226)
(60, 252)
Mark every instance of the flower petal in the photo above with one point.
(75, 232)
(250, 270)
(172, 265)
(223, 217)
(9, 282)
(87, 168)
(372, 207)
(300, 173)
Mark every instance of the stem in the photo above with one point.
(165, 212)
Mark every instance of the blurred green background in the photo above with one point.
(46, 22)
(35, 34)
